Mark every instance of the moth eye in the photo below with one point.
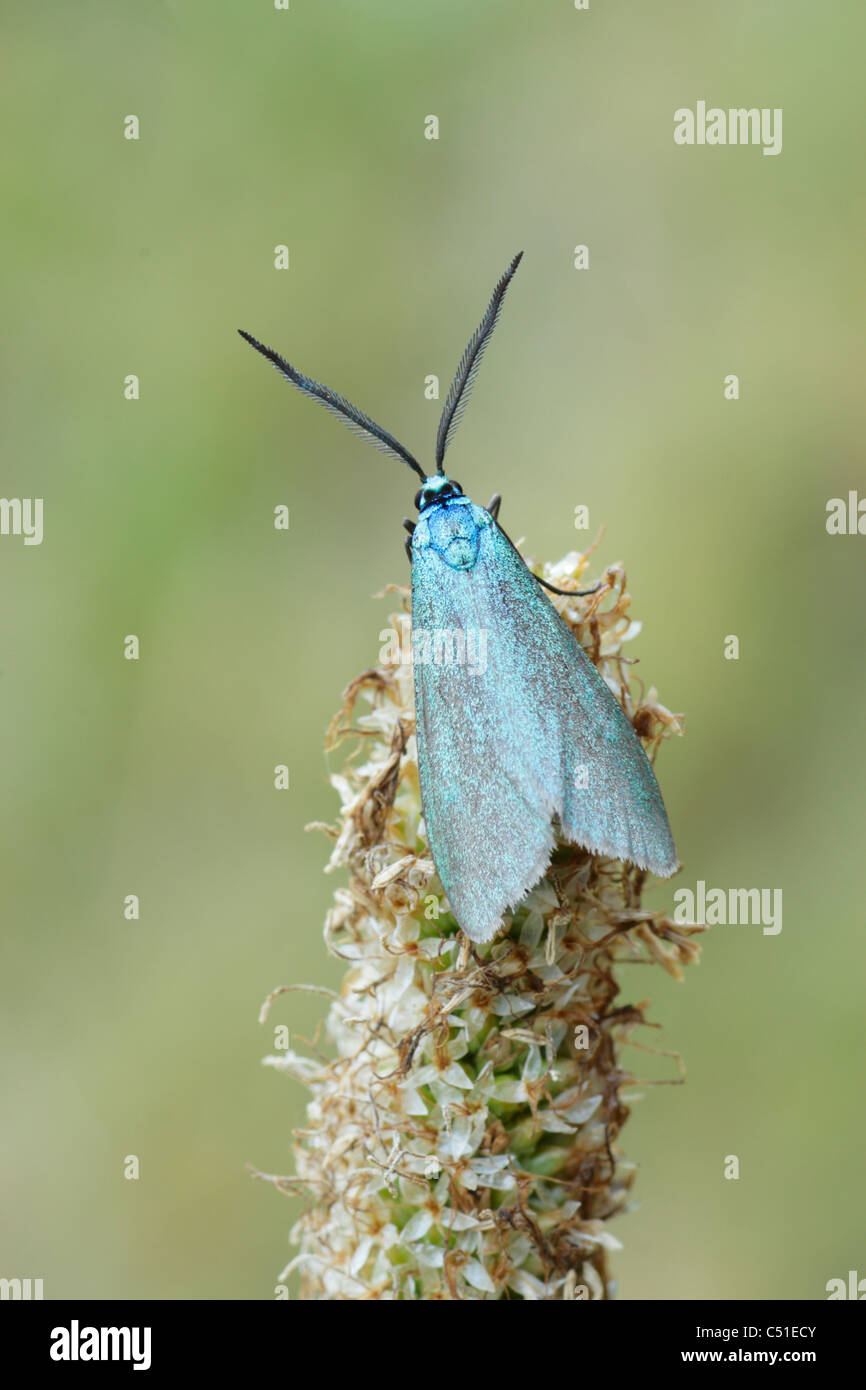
(457, 488)
(418, 495)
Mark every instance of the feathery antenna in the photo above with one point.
(336, 405)
(464, 379)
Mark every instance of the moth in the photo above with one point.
(527, 740)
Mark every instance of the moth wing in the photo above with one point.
(520, 731)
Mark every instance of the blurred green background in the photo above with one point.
(603, 387)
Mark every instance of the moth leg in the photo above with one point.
(494, 504)
(567, 593)
(408, 525)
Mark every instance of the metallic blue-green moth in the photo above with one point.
(516, 730)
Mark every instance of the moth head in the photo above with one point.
(436, 489)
